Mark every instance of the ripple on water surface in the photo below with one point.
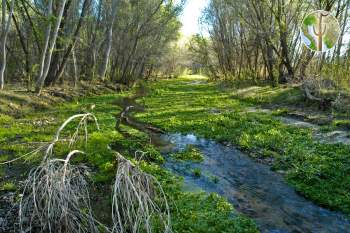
(253, 189)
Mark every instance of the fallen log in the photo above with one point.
(324, 103)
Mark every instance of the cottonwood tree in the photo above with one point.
(5, 28)
(62, 55)
(260, 39)
(59, 41)
(112, 14)
(50, 41)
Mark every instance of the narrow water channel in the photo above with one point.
(251, 187)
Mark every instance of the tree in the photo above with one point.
(5, 28)
(50, 42)
(109, 39)
(119, 40)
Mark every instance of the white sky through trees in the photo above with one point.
(190, 16)
(193, 11)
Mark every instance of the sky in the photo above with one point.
(192, 13)
(190, 16)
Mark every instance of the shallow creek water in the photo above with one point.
(251, 187)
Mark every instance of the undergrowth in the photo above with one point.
(191, 212)
(190, 153)
(318, 171)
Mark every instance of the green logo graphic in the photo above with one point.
(320, 31)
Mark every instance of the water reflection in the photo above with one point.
(252, 188)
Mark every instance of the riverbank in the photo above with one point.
(191, 212)
(17, 102)
(319, 171)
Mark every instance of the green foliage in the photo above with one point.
(8, 186)
(5, 119)
(341, 124)
(258, 95)
(99, 154)
(197, 172)
(322, 176)
(198, 212)
(201, 213)
(152, 154)
(318, 171)
(190, 153)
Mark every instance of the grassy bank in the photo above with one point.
(318, 171)
(18, 102)
(191, 212)
(290, 101)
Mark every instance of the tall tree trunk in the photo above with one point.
(76, 76)
(22, 42)
(41, 78)
(71, 46)
(47, 54)
(270, 63)
(343, 27)
(307, 57)
(4, 32)
(105, 59)
(56, 55)
(35, 32)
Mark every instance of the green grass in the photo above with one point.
(197, 216)
(263, 95)
(318, 171)
(191, 212)
(197, 172)
(8, 186)
(189, 153)
(341, 124)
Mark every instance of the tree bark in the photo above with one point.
(56, 54)
(32, 25)
(107, 53)
(47, 54)
(71, 46)
(22, 42)
(76, 76)
(3, 39)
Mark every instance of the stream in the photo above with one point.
(251, 187)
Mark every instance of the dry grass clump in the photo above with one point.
(56, 196)
(56, 199)
(136, 195)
